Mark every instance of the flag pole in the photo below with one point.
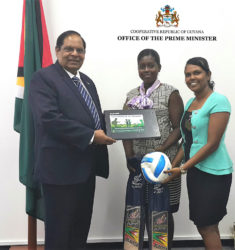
(32, 233)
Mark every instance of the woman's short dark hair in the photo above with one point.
(61, 37)
(201, 62)
(149, 52)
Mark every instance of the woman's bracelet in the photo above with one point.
(182, 171)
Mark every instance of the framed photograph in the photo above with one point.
(131, 124)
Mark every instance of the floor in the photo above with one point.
(177, 248)
(228, 246)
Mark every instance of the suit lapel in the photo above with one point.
(70, 84)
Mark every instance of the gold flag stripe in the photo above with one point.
(20, 81)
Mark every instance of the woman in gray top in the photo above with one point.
(166, 101)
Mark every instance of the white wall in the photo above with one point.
(112, 65)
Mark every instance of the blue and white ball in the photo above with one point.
(153, 166)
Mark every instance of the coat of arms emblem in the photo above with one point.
(167, 17)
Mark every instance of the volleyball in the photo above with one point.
(153, 166)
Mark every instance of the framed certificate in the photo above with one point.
(131, 124)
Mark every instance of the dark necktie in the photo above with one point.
(88, 100)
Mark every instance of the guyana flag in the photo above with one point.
(34, 54)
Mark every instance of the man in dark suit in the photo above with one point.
(70, 143)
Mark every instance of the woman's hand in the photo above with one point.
(133, 163)
(173, 173)
(160, 149)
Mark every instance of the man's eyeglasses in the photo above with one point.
(71, 50)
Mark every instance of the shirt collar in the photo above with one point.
(72, 75)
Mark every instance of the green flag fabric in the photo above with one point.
(34, 54)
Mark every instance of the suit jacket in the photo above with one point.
(63, 129)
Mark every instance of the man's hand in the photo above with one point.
(101, 138)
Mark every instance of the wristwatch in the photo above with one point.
(182, 171)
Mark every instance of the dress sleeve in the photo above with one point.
(221, 104)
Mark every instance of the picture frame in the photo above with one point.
(131, 124)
